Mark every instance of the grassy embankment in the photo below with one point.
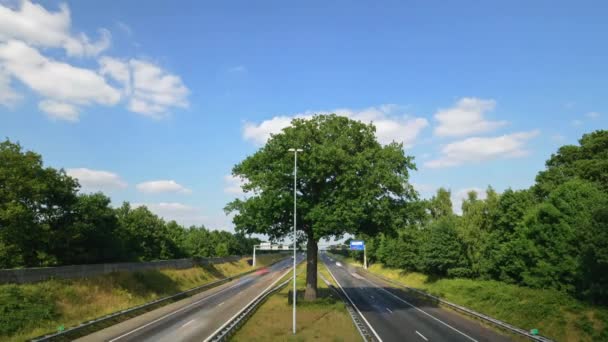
(326, 319)
(31, 310)
(556, 314)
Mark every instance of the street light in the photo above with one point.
(295, 177)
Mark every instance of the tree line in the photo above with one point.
(552, 235)
(45, 221)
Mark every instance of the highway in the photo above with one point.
(197, 317)
(395, 315)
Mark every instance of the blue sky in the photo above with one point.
(154, 104)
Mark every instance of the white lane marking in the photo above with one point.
(189, 322)
(172, 313)
(338, 264)
(389, 310)
(422, 311)
(220, 304)
(254, 299)
(356, 308)
(372, 297)
(419, 334)
(355, 275)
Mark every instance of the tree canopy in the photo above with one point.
(45, 221)
(347, 183)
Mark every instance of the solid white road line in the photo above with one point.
(422, 311)
(189, 322)
(389, 310)
(172, 313)
(419, 334)
(353, 304)
(254, 299)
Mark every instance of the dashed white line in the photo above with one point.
(188, 323)
(220, 304)
(419, 334)
(420, 310)
(389, 310)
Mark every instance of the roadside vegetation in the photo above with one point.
(536, 257)
(555, 314)
(46, 221)
(31, 310)
(324, 319)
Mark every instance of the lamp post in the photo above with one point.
(295, 178)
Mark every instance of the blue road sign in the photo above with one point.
(357, 245)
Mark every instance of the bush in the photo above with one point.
(19, 309)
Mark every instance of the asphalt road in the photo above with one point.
(197, 317)
(395, 315)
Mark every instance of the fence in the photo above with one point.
(31, 275)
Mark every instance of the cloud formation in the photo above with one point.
(162, 186)
(390, 121)
(147, 88)
(466, 117)
(97, 180)
(34, 25)
(477, 149)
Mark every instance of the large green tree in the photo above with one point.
(35, 203)
(587, 161)
(347, 183)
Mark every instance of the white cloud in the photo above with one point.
(459, 196)
(97, 180)
(27, 30)
(232, 185)
(57, 81)
(117, 70)
(160, 186)
(8, 96)
(390, 121)
(478, 149)
(593, 115)
(154, 90)
(59, 110)
(36, 26)
(466, 117)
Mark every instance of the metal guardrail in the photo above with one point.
(461, 308)
(361, 327)
(236, 321)
(66, 334)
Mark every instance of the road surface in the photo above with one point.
(395, 315)
(197, 317)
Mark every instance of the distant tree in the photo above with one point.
(145, 234)
(441, 204)
(441, 249)
(587, 161)
(35, 203)
(91, 237)
(347, 183)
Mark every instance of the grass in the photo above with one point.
(30, 310)
(556, 314)
(325, 319)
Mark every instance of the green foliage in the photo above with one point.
(588, 161)
(347, 183)
(20, 309)
(551, 236)
(45, 222)
(441, 248)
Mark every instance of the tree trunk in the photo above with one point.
(311, 269)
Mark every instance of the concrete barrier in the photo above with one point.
(31, 275)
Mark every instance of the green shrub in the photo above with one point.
(19, 309)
